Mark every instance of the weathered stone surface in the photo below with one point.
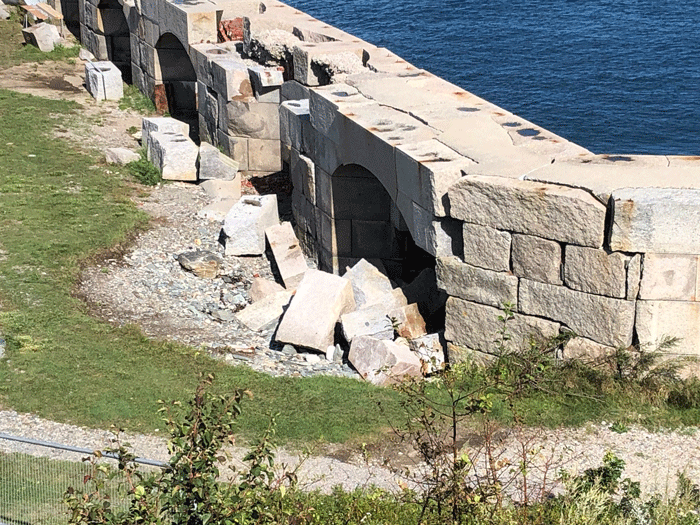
(430, 351)
(310, 320)
(303, 174)
(215, 165)
(537, 259)
(120, 156)
(486, 248)
(230, 77)
(266, 312)
(634, 273)
(595, 271)
(174, 154)
(462, 354)
(4, 13)
(656, 220)
(369, 285)
(476, 284)
(477, 327)
(163, 125)
(201, 263)
(246, 222)
(287, 254)
(383, 362)
(545, 210)
(249, 118)
(103, 80)
(424, 291)
(222, 189)
(585, 350)
(44, 36)
(295, 125)
(408, 322)
(657, 320)
(371, 320)
(261, 288)
(603, 319)
(671, 277)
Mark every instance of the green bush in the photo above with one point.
(134, 99)
(143, 171)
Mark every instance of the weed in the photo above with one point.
(144, 171)
(137, 101)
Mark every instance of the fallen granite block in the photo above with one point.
(215, 165)
(383, 362)
(310, 320)
(381, 322)
(160, 124)
(246, 222)
(265, 313)
(4, 13)
(261, 288)
(44, 36)
(120, 156)
(287, 254)
(430, 351)
(201, 263)
(217, 210)
(104, 81)
(408, 322)
(369, 285)
(222, 189)
(174, 154)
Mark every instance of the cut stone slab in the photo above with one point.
(477, 327)
(161, 124)
(261, 288)
(381, 322)
(215, 165)
(383, 362)
(222, 189)
(265, 313)
(486, 247)
(656, 220)
(246, 222)
(217, 210)
(670, 277)
(174, 154)
(546, 210)
(430, 351)
(104, 81)
(596, 271)
(657, 320)
(605, 320)
(462, 280)
(44, 36)
(310, 320)
(408, 323)
(536, 258)
(201, 263)
(121, 156)
(287, 254)
(369, 285)
(585, 350)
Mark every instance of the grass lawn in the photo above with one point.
(59, 208)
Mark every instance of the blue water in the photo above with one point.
(615, 76)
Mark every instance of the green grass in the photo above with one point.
(13, 51)
(134, 99)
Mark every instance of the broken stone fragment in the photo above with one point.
(104, 80)
(369, 285)
(261, 288)
(120, 156)
(383, 362)
(217, 210)
(44, 36)
(310, 320)
(246, 222)
(215, 165)
(287, 254)
(201, 263)
(430, 351)
(381, 322)
(266, 312)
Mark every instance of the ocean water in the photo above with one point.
(615, 76)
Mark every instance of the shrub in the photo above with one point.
(144, 171)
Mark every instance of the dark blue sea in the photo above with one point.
(615, 76)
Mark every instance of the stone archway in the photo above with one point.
(365, 223)
(176, 82)
(113, 25)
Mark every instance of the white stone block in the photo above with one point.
(287, 254)
(215, 165)
(104, 81)
(369, 285)
(265, 313)
(383, 362)
(310, 320)
(246, 222)
(44, 36)
(120, 156)
(162, 125)
(174, 154)
(596, 271)
(672, 277)
(658, 320)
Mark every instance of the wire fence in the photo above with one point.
(32, 487)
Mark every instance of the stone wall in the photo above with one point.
(607, 246)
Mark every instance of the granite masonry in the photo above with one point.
(390, 162)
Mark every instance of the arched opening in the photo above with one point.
(367, 224)
(176, 75)
(112, 24)
(71, 16)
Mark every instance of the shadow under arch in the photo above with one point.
(365, 223)
(113, 25)
(177, 76)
